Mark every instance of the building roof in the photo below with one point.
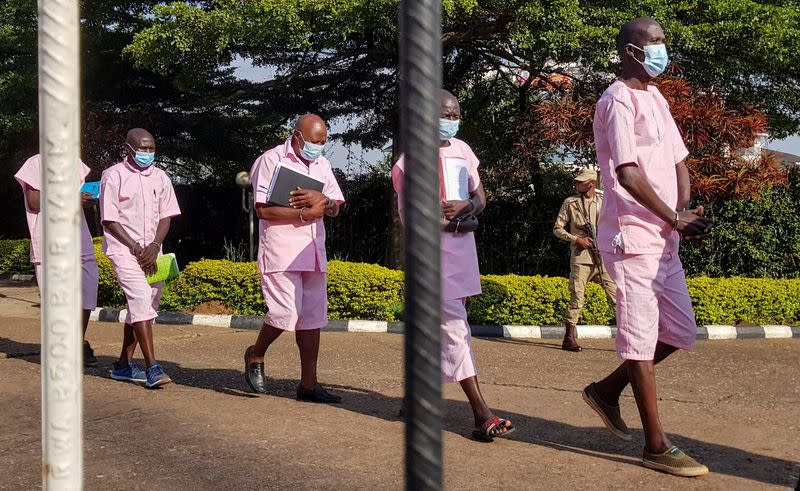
(787, 160)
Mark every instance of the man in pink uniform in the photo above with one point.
(459, 270)
(137, 203)
(30, 178)
(641, 156)
(291, 255)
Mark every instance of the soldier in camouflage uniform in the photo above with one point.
(585, 262)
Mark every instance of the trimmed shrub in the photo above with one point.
(368, 291)
(355, 290)
(364, 291)
(534, 300)
(236, 285)
(109, 294)
(15, 257)
(745, 300)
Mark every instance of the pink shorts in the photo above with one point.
(90, 277)
(653, 304)
(143, 298)
(458, 362)
(296, 300)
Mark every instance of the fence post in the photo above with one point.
(420, 85)
(59, 144)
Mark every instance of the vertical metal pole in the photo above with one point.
(420, 85)
(59, 143)
(252, 227)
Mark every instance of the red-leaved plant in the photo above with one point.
(715, 130)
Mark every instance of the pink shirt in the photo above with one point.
(636, 126)
(292, 245)
(459, 261)
(30, 175)
(137, 200)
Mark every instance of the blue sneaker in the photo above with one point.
(137, 374)
(156, 377)
(131, 373)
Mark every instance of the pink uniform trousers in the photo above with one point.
(89, 275)
(143, 298)
(653, 304)
(296, 300)
(458, 363)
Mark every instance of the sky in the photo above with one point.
(350, 157)
(347, 157)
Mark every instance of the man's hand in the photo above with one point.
(693, 225)
(305, 198)
(149, 255)
(87, 200)
(315, 211)
(454, 209)
(136, 250)
(584, 242)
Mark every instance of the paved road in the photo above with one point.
(735, 405)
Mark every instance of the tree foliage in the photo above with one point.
(713, 128)
(198, 139)
(339, 57)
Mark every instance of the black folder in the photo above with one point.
(285, 180)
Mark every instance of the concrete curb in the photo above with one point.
(489, 331)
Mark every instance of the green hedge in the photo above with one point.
(355, 291)
(750, 300)
(368, 291)
(109, 294)
(15, 257)
(534, 300)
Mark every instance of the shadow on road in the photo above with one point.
(594, 442)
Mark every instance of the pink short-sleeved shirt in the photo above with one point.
(459, 260)
(137, 200)
(636, 126)
(292, 245)
(30, 175)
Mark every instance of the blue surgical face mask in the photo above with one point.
(448, 128)
(310, 151)
(144, 159)
(656, 58)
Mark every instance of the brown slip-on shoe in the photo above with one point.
(674, 462)
(609, 414)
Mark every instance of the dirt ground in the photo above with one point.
(734, 405)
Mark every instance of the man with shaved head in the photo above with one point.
(291, 255)
(459, 264)
(647, 191)
(137, 203)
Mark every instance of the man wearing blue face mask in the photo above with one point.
(463, 198)
(291, 256)
(642, 160)
(137, 203)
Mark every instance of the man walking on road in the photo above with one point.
(641, 155)
(577, 224)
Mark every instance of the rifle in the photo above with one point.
(593, 250)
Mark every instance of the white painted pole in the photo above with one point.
(59, 145)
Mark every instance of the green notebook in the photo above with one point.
(167, 269)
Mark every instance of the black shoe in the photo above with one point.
(319, 394)
(89, 360)
(254, 374)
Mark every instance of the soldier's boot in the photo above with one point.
(570, 342)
